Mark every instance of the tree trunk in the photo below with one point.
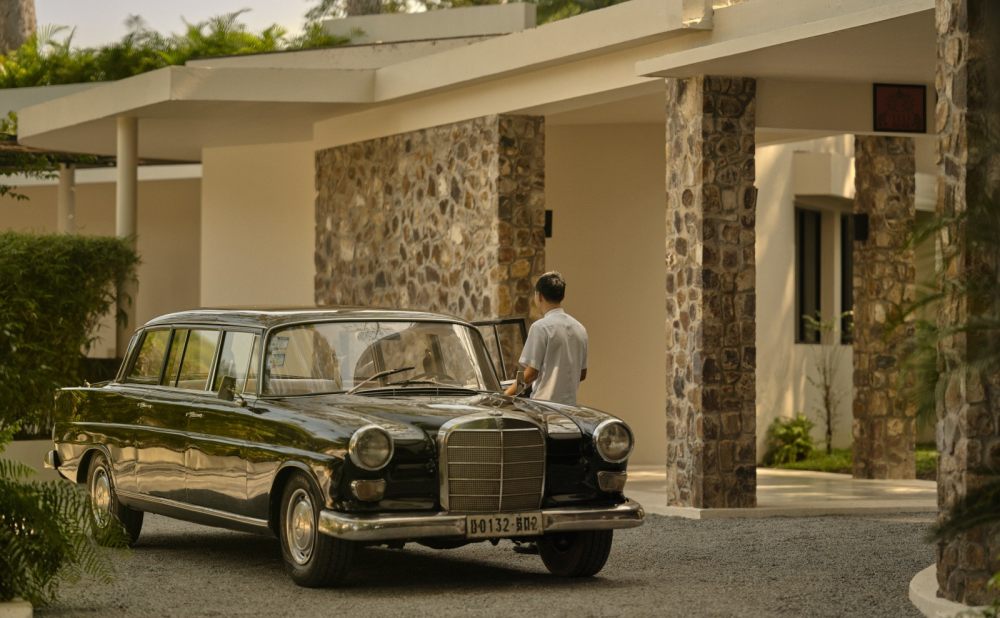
(362, 7)
(17, 23)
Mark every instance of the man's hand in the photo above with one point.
(530, 375)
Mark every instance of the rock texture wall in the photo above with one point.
(447, 219)
(711, 292)
(884, 281)
(968, 431)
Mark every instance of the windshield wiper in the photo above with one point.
(432, 383)
(381, 374)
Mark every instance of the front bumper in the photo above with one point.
(396, 526)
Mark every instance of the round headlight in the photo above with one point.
(370, 448)
(613, 441)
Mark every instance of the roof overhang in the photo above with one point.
(849, 40)
(182, 110)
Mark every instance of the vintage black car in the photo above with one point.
(338, 428)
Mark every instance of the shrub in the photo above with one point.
(49, 56)
(47, 534)
(53, 291)
(789, 440)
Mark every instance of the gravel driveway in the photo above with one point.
(822, 566)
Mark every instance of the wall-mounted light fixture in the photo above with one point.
(860, 227)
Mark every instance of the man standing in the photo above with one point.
(555, 353)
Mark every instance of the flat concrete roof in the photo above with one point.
(301, 95)
(214, 103)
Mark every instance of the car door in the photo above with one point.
(220, 426)
(504, 340)
(160, 420)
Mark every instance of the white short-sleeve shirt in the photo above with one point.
(557, 348)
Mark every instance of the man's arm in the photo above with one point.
(530, 375)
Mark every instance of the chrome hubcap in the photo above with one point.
(100, 497)
(299, 532)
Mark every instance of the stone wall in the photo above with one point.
(884, 281)
(711, 292)
(968, 430)
(447, 219)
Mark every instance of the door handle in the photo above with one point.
(194, 415)
(145, 406)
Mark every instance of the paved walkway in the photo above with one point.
(793, 493)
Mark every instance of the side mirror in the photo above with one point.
(227, 390)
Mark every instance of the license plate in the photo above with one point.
(502, 525)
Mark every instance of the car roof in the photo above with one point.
(256, 317)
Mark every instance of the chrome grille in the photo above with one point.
(492, 464)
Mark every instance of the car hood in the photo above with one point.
(418, 417)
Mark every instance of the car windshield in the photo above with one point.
(335, 357)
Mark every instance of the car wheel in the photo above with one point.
(575, 554)
(105, 508)
(313, 559)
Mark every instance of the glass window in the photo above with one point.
(234, 360)
(512, 336)
(149, 360)
(174, 356)
(489, 333)
(198, 356)
(846, 278)
(807, 280)
(337, 356)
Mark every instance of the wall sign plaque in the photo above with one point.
(900, 108)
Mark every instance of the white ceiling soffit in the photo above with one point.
(812, 39)
(183, 109)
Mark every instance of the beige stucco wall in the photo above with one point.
(783, 367)
(605, 186)
(258, 232)
(169, 240)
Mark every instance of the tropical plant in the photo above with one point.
(53, 291)
(827, 358)
(49, 57)
(47, 533)
(548, 10)
(789, 440)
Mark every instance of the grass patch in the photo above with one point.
(927, 459)
(841, 461)
(819, 461)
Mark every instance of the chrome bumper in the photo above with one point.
(51, 461)
(385, 527)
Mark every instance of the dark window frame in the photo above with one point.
(804, 334)
(846, 279)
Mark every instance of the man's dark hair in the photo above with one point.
(551, 286)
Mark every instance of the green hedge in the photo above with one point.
(53, 291)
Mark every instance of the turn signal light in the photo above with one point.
(368, 491)
(612, 482)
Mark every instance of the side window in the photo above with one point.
(149, 360)
(808, 272)
(504, 341)
(177, 344)
(198, 356)
(235, 360)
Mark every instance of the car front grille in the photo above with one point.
(492, 464)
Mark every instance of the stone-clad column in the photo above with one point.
(447, 219)
(711, 292)
(968, 430)
(884, 280)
